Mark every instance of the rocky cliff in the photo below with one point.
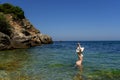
(21, 34)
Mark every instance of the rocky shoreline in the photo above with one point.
(22, 34)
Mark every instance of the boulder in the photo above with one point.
(5, 42)
(45, 39)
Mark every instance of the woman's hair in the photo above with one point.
(78, 43)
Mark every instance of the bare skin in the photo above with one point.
(79, 61)
(80, 58)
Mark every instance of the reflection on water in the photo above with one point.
(79, 74)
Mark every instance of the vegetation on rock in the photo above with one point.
(7, 8)
(4, 25)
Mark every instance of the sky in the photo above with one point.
(78, 20)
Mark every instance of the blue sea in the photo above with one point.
(57, 62)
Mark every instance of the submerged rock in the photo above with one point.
(4, 75)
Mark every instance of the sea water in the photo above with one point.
(57, 62)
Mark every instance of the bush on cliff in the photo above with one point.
(7, 8)
(4, 25)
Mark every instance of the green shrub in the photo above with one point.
(7, 8)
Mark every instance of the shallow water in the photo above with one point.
(56, 62)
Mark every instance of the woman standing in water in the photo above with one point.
(79, 51)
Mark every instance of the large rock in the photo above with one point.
(45, 39)
(23, 35)
(25, 41)
(5, 42)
